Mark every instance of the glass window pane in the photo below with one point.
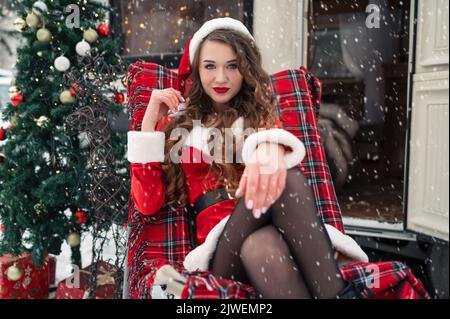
(164, 27)
(362, 62)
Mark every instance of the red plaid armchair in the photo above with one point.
(166, 237)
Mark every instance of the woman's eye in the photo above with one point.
(233, 66)
(209, 66)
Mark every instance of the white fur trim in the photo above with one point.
(145, 147)
(346, 245)
(214, 24)
(278, 136)
(198, 258)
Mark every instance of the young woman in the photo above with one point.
(256, 221)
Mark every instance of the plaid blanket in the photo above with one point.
(167, 237)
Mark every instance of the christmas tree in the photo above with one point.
(44, 180)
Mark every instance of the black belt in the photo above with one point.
(209, 199)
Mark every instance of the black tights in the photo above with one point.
(286, 253)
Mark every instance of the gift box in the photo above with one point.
(21, 279)
(77, 285)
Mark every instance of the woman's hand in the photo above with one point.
(264, 178)
(160, 103)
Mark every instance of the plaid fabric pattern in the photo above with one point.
(298, 97)
(384, 280)
(167, 236)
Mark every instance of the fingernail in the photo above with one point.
(182, 99)
(264, 210)
(237, 192)
(257, 213)
(249, 204)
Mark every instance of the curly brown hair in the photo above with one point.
(255, 102)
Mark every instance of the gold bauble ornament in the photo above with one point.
(14, 120)
(42, 120)
(44, 35)
(14, 273)
(66, 98)
(32, 20)
(13, 90)
(90, 35)
(20, 24)
(73, 239)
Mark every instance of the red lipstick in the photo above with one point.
(221, 90)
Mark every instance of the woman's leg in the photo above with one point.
(270, 267)
(294, 214)
(227, 257)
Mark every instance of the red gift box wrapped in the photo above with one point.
(32, 281)
(77, 285)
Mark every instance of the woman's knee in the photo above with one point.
(261, 245)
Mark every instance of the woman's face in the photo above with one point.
(219, 74)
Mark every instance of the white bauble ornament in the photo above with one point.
(82, 48)
(62, 63)
(20, 24)
(43, 35)
(90, 35)
(66, 97)
(32, 20)
(39, 7)
(14, 273)
(73, 239)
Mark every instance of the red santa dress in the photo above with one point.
(146, 152)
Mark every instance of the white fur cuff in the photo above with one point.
(346, 245)
(278, 136)
(145, 147)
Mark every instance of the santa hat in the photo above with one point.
(184, 69)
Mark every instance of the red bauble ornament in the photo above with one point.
(2, 228)
(119, 98)
(103, 30)
(80, 216)
(74, 89)
(2, 134)
(16, 99)
(2, 158)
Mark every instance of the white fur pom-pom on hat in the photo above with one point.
(215, 24)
